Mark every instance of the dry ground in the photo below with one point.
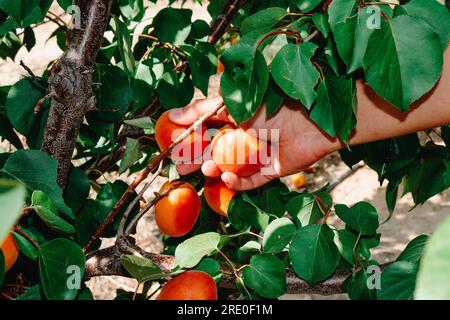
(363, 185)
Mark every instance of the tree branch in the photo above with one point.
(70, 84)
(105, 263)
(222, 22)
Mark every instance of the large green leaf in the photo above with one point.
(414, 250)
(340, 10)
(392, 71)
(294, 72)
(12, 198)
(362, 217)
(335, 107)
(278, 234)
(172, 25)
(435, 14)
(266, 275)
(19, 9)
(45, 209)
(262, 20)
(175, 90)
(59, 261)
(37, 171)
(314, 256)
(398, 281)
(141, 269)
(124, 43)
(304, 208)
(189, 253)
(244, 82)
(20, 103)
(132, 154)
(433, 277)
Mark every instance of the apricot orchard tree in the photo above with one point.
(92, 113)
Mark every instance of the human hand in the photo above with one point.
(300, 142)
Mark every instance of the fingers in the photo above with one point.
(189, 114)
(210, 169)
(187, 168)
(245, 183)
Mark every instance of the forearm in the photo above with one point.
(378, 120)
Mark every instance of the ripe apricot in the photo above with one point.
(220, 67)
(234, 150)
(299, 180)
(190, 285)
(177, 212)
(190, 148)
(217, 195)
(10, 251)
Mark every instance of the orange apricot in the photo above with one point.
(177, 212)
(234, 150)
(190, 285)
(10, 251)
(218, 195)
(190, 148)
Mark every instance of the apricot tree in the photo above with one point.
(93, 111)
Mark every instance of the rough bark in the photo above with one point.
(71, 84)
(105, 263)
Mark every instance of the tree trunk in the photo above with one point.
(71, 84)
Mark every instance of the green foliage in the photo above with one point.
(306, 51)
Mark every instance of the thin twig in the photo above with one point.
(135, 201)
(30, 72)
(344, 176)
(144, 174)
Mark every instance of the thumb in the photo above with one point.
(189, 114)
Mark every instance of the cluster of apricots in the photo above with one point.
(10, 251)
(233, 149)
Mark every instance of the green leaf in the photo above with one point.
(243, 215)
(339, 10)
(19, 9)
(57, 261)
(77, 189)
(141, 269)
(435, 14)
(305, 210)
(244, 82)
(142, 123)
(357, 288)
(433, 278)
(345, 241)
(211, 267)
(25, 246)
(200, 68)
(37, 171)
(321, 22)
(124, 43)
(392, 71)
(148, 73)
(172, 25)
(132, 154)
(266, 275)
(352, 37)
(32, 293)
(20, 103)
(175, 90)
(262, 20)
(334, 110)
(398, 281)
(7, 132)
(278, 234)
(114, 93)
(307, 5)
(414, 250)
(362, 217)
(294, 72)
(12, 198)
(48, 214)
(189, 253)
(314, 256)
(249, 249)
(274, 98)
